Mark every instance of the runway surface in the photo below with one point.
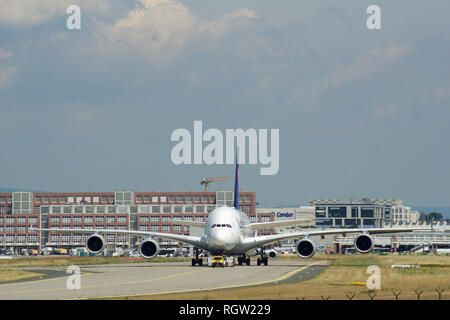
(153, 278)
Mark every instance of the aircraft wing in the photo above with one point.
(189, 223)
(276, 224)
(195, 241)
(259, 241)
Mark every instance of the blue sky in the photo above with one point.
(360, 113)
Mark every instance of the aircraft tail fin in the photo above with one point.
(236, 184)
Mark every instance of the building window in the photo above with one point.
(66, 219)
(337, 212)
(89, 209)
(367, 213)
(156, 209)
(21, 220)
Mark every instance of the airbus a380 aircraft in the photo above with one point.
(228, 231)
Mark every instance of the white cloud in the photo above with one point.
(387, 111)
(160, 29)
(6, 74)
(5, 54)
(362, 67)
(157, 30)
(223, 25)
(442, 93)
(438, 93)
(84, 116)
(373, 61)
(27, 13)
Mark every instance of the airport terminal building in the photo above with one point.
(144, 211)
(353, 212)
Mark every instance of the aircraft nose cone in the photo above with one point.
(221, 239)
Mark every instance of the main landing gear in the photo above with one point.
(197, 260)
(243, 259)
(264, 259)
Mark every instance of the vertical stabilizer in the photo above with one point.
(236, 184)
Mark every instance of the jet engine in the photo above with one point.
(148, 248)
(363, 243)
(305, 248)
(271, 253)
(95, 243)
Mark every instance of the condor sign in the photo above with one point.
(283, 214)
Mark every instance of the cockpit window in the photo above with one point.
(221, 226)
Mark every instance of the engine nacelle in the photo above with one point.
(148, 248)
(305, 248)
(271, 253)
(95, 243)
(363, 243)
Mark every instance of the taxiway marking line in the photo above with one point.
(98, 286)
(285, 276)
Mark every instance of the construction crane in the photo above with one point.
(207, 181)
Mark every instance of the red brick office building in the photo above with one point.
(144, 211)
